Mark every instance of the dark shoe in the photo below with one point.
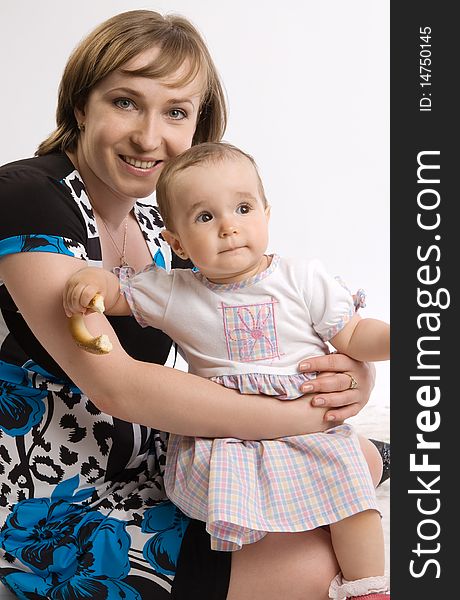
(384, 451)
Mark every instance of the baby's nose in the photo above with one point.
(227, 230)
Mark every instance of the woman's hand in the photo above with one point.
(331, 388)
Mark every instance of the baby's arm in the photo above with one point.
(83, 285)
(364, 339)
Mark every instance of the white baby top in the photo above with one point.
(266, 324)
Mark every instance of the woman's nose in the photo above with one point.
(148, 133)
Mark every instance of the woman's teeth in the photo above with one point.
(140, 164)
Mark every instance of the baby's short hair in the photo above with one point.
(205, 153)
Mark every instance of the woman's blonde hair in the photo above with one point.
(206, 153)
(118, 40)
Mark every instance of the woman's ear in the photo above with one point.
(174, 241)
(80, 116)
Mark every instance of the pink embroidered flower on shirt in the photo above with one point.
(250, 332)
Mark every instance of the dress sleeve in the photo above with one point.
(148, 294)
(39, 214)
(330, 303)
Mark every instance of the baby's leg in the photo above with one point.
(358, 541)
(359, 545)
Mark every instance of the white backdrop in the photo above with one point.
(308, 89)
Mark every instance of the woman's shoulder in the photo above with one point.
(55, 166)
(52, 173)
(40, 179)
(42, 195)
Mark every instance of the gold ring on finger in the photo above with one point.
(353, 383)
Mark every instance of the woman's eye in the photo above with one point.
(204, 218)
(124, 103)
(243, 209)
(177, 114)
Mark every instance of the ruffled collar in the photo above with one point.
(230, 287)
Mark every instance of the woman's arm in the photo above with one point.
(153, 395)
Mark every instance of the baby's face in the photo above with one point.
(220, 218)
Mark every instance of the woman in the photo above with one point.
(83, 508)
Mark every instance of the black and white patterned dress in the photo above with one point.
(82, 507)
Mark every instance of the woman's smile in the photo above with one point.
(140, 163)
(140, 168)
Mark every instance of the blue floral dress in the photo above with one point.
(83, 512)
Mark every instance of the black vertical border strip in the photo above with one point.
(423, 523)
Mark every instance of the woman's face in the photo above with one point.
(133, 125)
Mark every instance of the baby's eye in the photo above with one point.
(177, 114)
(204, 217)
(124, 103)
(243, 209)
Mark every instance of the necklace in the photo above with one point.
(121, 252)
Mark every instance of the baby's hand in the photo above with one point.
(80, 290)
(84, 293)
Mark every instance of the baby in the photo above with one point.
(246, 319)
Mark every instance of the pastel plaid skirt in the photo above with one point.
(245, 489)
